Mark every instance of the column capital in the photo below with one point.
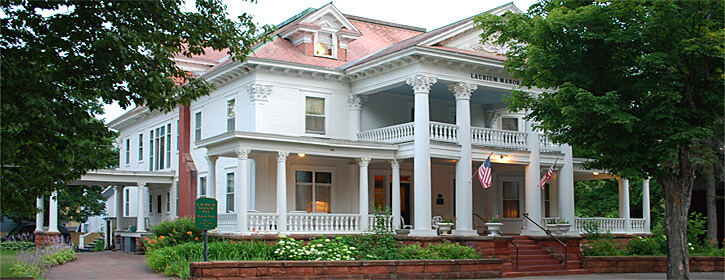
(243, 153)
(462, 90)
(141, 184)
(259, 92)
(363, 161)
(355, 101)
(211, 159)
(421, 83)
(395, 164)
(282, 156)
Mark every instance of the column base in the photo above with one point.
(423, 232)
(45, 238)
(464, 232)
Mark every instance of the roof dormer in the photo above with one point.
(323, 33)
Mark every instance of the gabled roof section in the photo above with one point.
(436, 37)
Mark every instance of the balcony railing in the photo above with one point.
(391, 134)
(443, 132)
(502, 139)
(546, 145)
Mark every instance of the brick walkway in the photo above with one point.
(104, 265)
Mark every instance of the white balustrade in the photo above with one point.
(387, 223)
(227, 222)
(443, 132)
(262, 222)
(323, 222)
(392, 134)
(546, 145)
(612, 225)
(494, 138)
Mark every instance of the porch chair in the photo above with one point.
(403, 225)
(434, 223)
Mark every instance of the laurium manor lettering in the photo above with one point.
(494, 79)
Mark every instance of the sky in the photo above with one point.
(430, 16)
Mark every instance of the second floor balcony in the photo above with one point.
(448, 133)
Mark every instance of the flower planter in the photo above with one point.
(562, 228)
(494, 228)
(553, 228)
(445, 228)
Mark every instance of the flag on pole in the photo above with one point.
(548, 174)
(484, 173)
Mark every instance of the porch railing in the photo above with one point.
(612, 225)
(494, 138)
(262, 222)
(227, 222)
(323, 222)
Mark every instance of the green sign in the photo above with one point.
(206, 216)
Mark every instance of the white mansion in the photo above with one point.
(339, 115)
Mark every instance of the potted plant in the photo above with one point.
(494, 226)
(552, 225)
(445, 226)
(563, 227)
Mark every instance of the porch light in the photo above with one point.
(504, 157)
(595, 173)
(301, 154)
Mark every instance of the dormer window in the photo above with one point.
(325, 44)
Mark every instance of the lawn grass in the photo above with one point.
(7, 259)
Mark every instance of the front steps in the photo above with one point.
(535, 261)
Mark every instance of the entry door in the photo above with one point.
(405, 202)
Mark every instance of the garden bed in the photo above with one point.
(645, 264)
(391, 269)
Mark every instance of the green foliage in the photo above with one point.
(375, 246)
(35, 262)
(99, 245)
(597, 198)
(23, 269)
(382, 221)
(174, 260)
(121, 51)
(17, 245)
(318, 249)
(600, 245)
(647, 246)
(172, 232)
(696, 230)
(440, 251)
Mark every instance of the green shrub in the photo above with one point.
(99, 245)
(17, 245)
(441, 251)
(172, 232)
(696, 230)
(174, 260)
(319, 249)
(33, 263)
(646, 246)
(375, 246)
(601, 245)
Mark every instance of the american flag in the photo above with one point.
(548, 175)
(484, 173)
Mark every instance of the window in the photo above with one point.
(325, 44)
(168, 145)
(230, 192)
(128, 151)
(160, 148)
(140, 147)
(510, 199)
(202, 186)
(379, 192)
(230, 115)
(168, 202)
(197, 126)
(315, 115)
(177, 134)
(547, 201)
(151, 150)
(151, 204)
(511, 124)
(176, 205)
(127, 202)
(313, 191)
(158, 204)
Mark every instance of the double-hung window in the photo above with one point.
(197, 126)
(202, 186)
(511, 124)
(231, 115)
(315, 115)
(325, 44)
(127, 203)
(168, 202)
(159, 148)
(230, 192)
(128, 150)
(511, 199)
(140, 147)
(313, 191)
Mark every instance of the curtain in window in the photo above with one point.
(315, 115)
(510, 199)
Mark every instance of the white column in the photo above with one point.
(282, 190)
(532, 192)
(211, 176)
(174, 194)
(355, 103)
(119, 207)
(645, 205)
(624, 206)
(464, 191)
(259, 96)
(242, 183)
(421, 163)
(363, 188)
(140, 213)
(565, 184)
(53, 212)
(39, 219)
(395, 192)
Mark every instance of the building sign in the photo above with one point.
(206, 213)
(495, 79)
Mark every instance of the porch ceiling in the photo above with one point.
(112, 177)
(481, 96)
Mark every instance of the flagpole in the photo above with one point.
(475, 172)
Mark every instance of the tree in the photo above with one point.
(635, 85)
(61, 60)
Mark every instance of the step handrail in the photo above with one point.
(517, 251)
(82, 238)
(566, 253)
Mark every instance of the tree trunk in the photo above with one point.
(711, 206)
(678, 192)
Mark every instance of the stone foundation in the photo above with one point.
(44, 238)
(646, 264)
